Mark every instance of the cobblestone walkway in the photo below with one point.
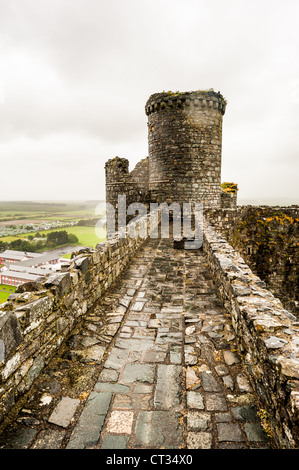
(170, 377)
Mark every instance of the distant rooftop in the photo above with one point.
(28, 269)
(41, 259)
(20, 275)
(13, 254)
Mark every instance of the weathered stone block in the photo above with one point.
(198, 421)
(60, 280)
(139, 373)
(199, 440)
(10, 335)
(229, 432)
(11, 365)
(158, 429)
(31, 286)
(115, 442)
(62, 325)
(90, 423)
(169, 387)
(120, 422)
(82, 264)
(64, 412)
(195, 400)
(49, 439)
(69, 299)
(255, 432)
(34, 371)
(74, 278)
(289, 367)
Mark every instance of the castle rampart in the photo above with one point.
(184, 165)
(268, 336)
(267, 237)
(35, 324)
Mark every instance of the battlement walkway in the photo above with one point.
(170, 378)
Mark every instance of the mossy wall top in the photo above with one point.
(185, 142)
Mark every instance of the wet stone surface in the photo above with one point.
(153, 365)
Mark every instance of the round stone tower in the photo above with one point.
(185, 141)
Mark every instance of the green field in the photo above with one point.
(65, 212)
(86, 235)
(5, 292)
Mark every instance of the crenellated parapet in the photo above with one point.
(205, 99)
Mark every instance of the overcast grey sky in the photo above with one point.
(75, 76)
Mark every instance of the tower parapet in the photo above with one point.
(203, 99)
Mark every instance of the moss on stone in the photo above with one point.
(229, 187)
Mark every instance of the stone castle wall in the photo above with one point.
(119, 181)
(133, 184)
(268, 239)
(268, 336)
(33, 325)
(117, 178)
(228, 200)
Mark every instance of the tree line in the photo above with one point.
(53, 239)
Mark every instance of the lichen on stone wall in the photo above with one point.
(267, 237)
(268, 337)
(229, 187)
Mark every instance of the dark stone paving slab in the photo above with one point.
(255, 433)
(88, 428)
(115, 442)
(245, 413)
(168, 389)
(19, 438)
(156, 429)
(229, 432)
(111, 387)
(138, 373)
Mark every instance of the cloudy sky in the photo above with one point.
(75, 76)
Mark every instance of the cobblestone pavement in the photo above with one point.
(154, 365)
